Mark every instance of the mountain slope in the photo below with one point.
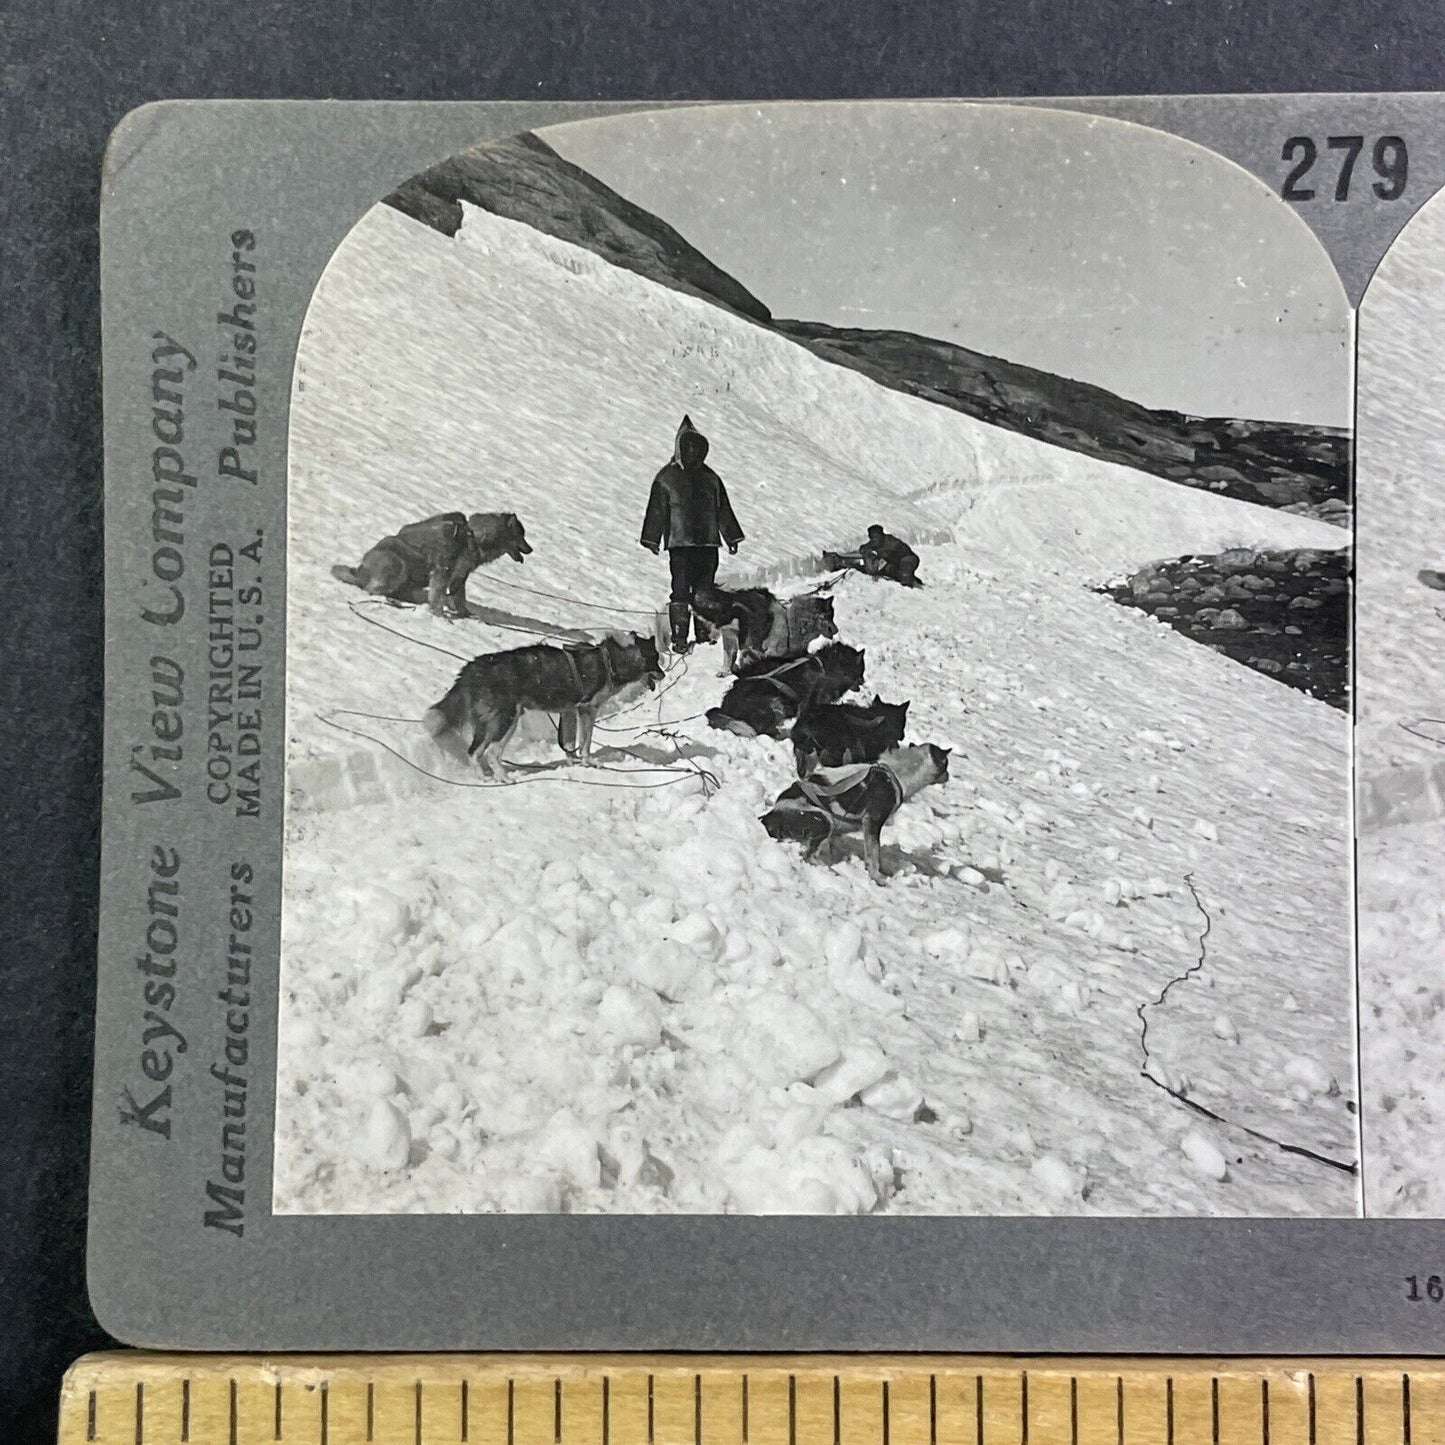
(524, 179)
(1276, 464)
(606, 989)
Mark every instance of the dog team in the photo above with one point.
(854, 770)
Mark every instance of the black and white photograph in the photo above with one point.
(1400, 722)
(818, 680)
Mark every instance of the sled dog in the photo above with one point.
(767, 698)
(814, 810)
(756, 625)
(493, 691)
(430, 561)
(830, 735)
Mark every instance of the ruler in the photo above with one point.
(137, 1398)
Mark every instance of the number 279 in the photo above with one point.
(1389, 157)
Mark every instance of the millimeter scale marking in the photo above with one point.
(142, 1398)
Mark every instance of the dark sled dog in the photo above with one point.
(493, 691)
(756, 625)
(813, 811)
(831, 735)
(768, 697)
(430, 561)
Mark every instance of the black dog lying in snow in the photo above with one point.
(813, 811)
(766, 698)
(831, 735)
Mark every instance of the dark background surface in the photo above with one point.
(70, 70)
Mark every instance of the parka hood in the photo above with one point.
(687, 429)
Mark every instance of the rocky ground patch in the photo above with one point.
(1285, 613)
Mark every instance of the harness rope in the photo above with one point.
(686, 768)
(558, 597)
(773, 677)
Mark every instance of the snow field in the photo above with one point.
(1402, 925)
(1399, 643)
(628, 998)
(1400, 469)
(636, 1001)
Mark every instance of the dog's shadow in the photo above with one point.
(520, 622)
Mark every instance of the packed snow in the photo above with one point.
(1400, 737)
(605, 988)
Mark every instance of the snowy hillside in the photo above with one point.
(522, 178)
(607, 992)
(1400, 753)
(1401, 465)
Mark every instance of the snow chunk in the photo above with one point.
(1311, 1075)
(570, 1149)
(385, 1139)
(1204, 1155)
(843, 944)
(802, 1046)
(414, 1018)
(894, 1095)
(672, 970)
(1057, 1178)
(861, 1066)
(698, 932)
(629, 1016)
(951, 942)
(818, 1175)
(370, 1078)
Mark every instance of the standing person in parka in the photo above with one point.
(688, 512)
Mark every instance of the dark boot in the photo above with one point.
(703, 630)
(678, 615)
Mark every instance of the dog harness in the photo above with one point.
(826, 798)
(774, 678)
(600, 648)
(570, 653)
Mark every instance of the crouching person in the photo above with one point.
(430, 561)
(882, 555)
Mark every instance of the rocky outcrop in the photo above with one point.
(1295, 467)
(524, 179)
(1285, 614)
